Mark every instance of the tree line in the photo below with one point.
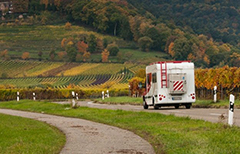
(156, 27)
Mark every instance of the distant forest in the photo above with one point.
(206, 32)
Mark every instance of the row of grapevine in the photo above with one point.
(14, 69)
(227, 79)
(81, 81)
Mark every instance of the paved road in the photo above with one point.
(212, 115)
(86, 137)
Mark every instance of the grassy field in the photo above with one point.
(22, 135)
(167, 133)
(197, 104)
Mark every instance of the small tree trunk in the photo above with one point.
(115, 30)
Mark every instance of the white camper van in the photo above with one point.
(169, 84)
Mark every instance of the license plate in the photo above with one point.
(176, 98)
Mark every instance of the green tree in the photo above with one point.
(145, 43)
(105, 43)
(113, 49)
(182, 48)
(92, 43)
(71, 53)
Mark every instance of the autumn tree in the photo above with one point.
(170, 49)
(25, 55)
(105, 55)
(4, 54)
(86, 56)
(68, 26)
(62, 54)
(63, 43)
(134, 86)
(82, 46)
(141, 73)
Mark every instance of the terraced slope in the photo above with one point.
(25, 74)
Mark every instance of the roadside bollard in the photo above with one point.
(73, 101)
(77, 96)
(34, 96)
(107, 94)
(231, 110)
(17, 96)
(102, 95)
(215, 94)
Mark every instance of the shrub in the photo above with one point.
(113, 49)
(68, 26)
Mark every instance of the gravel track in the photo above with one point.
(86, 137)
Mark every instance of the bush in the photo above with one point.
(113, 49)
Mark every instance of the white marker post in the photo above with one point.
(18, 96)
(73, 101)
(77, 96)
(231, 110)
(102, 95)
(34, 96)
(215, 94)
(107, 94)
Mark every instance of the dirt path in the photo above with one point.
(86, 137)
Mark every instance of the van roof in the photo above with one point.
(162, 62)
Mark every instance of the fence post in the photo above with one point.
(17, 96)
(231, 110)
(215, 94)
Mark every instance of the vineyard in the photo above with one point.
(98, 76)
(227, 79)
(32, 74)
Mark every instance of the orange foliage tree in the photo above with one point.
(86, 56)
(25, 55)
(105, 55)
(82, 46)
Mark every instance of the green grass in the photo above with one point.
(197, 104)
(22, 135)
(121, 100)
(218, 104)
(166, 133)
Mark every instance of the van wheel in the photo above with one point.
(154, 106)
(145, 106)
(188, 106)
(177, 106)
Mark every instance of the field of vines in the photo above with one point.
(88, 76)
(227, 80)
(60, 75)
